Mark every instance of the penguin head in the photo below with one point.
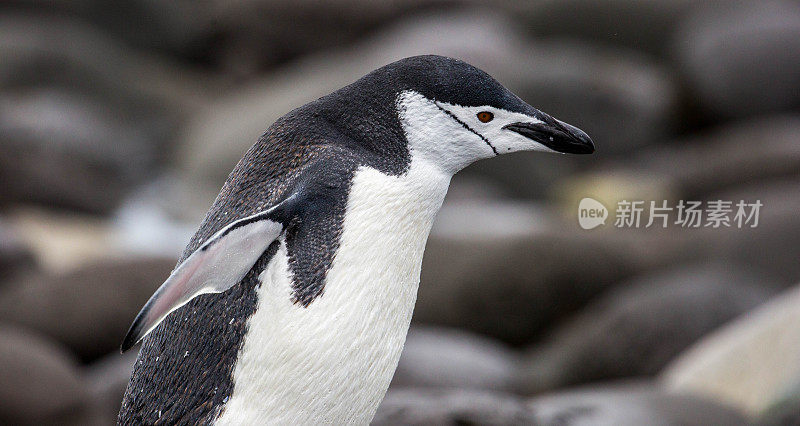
(444, 110)
(453, 114)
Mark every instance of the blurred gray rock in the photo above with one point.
(15, 257)
(451, 407)
(107, 379)
(785, 412)
(62, 240)
(169, 26)
(441, 357)
(89, 309)
(240, 38)
(40, 49)
(772, 246)
(623, 100)
(216, 138)
(526, 175)
(742, 59)
(60, 148)
(643, 25)
(466, 188)
(641, 325)
(720, 160)
(610, 186)
(39, 382)
(82, 118)
(255, 33)
(507, 269)
(728, 156)
(750, 363)
(160, 217)
(631, 405)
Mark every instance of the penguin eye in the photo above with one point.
(485, 116)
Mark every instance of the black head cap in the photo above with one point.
(446, 80)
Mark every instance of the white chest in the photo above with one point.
(331, 363)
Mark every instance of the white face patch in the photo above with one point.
(453, 136)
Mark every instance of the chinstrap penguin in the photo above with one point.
(291, 303)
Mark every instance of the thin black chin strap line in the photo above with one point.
(466, 126)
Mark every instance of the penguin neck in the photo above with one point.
(331, 362)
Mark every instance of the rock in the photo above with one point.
(180, 28)
(743, 59)
(590, 85)
(750, 363)
(621, 99)
(466, 188)
(39, 382)
(610, 187)
(15, 256)
(61, 149)
(82, 118)
(440, 357)
(642, 25)
(159, 218)
(506, 269)
(107, 379)
(630, 405)
(216, 138)
(90, 309)
(61, 240)
(717, 161)
(258, 33)
(711, 162)
(525, 175)
(40, 50)
(785, 412)
(771, 246)
(641, 325)
(451, 407)
(726, 156)
(239, 38)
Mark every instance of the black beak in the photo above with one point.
(555, 134)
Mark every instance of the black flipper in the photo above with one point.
(219, 264)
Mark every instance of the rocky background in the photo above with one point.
(119, 121)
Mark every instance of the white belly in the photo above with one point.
(331, 363)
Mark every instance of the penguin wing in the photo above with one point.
(217, 265)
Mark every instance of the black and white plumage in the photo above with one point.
(311, 252)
